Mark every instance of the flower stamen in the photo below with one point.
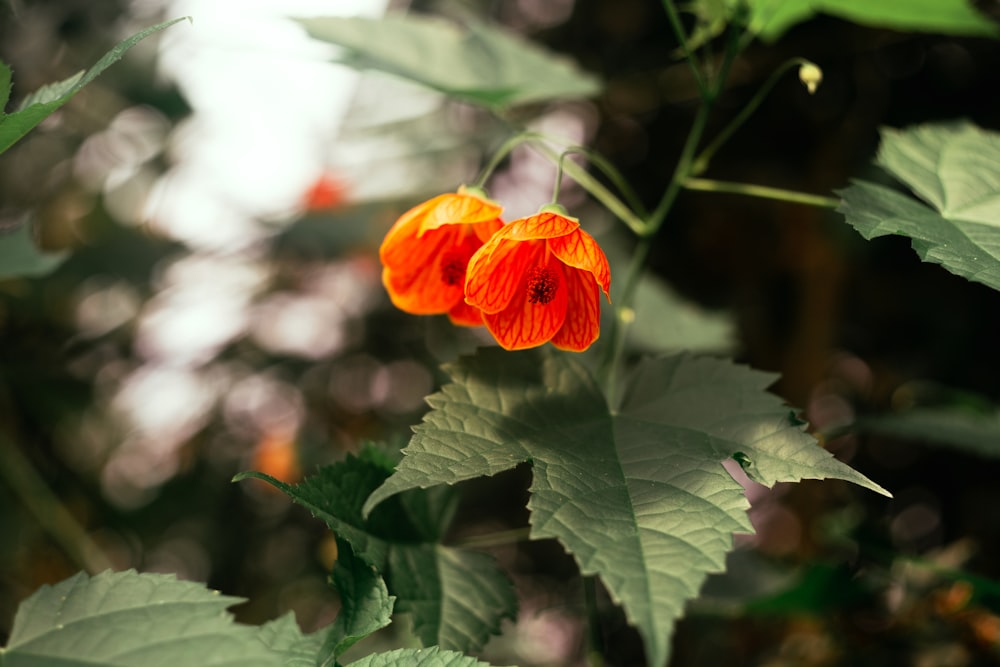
(453, 267)
(542, 285)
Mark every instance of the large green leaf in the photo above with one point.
(146, 620)
(479, 64)
(954, 169)
(457, 599)
(769, 19)
(20, 257)
(37, 106)
(422, 657)
(638, 496)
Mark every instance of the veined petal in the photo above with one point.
(438, 283)
(403, 246)
(496, 270)
(543, 225)
(579, 249)
(582, 325)
(459, 208)
(526, 322)
(465, 315)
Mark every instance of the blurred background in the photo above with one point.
(221, 193)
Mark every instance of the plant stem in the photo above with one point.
(703, 159)
(501, 153)
(595, 642)
(675, 24)
(498, 538)
(763, 191)
(22, 478)
(608, 370)
(597, 190)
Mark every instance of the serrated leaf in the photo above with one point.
(365, 604)
(37, 106)
(421, 657)
(731, 404)
(444, 588)
(479, 64)
(639, 497)
(120, 619)
(955, 170)
(400, 539)
(284, 637)
(769, 19)
(20, 257)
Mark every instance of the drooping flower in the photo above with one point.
(540, 279)
(425, 253)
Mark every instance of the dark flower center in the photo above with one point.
(542, 285)
(453, 267)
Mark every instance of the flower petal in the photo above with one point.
(579, 249)
(464, 315)
(458, 208)
(496, 270)
(438, 284)
(402, 247)
(523, 324)
(582, 325)
(543, 225)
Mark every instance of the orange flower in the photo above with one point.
(425, 254)
(540, 279)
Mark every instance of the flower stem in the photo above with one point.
(608, 370)
(501, 153)
(597, 189)
(706, 155)
(498, 538)
(763, 191)
(675, 24)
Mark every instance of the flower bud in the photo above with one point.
(810, 75)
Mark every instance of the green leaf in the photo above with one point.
(20, 257)
(974, 432)
(283, 636)
(120, 619)
(365, 604)
(639, 497)
(42, 103)
(769, 19)
(730, 403)
(955, 169)
(423, 657)
(669, 321)
(457, 599)
(480, 64)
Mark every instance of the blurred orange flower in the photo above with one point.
(325, 193)
(540, 279)
(425, 254)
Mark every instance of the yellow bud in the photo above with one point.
(811, 75)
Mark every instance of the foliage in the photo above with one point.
(630, 449)
(18, 255)
(479, 64)
(955, 171)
